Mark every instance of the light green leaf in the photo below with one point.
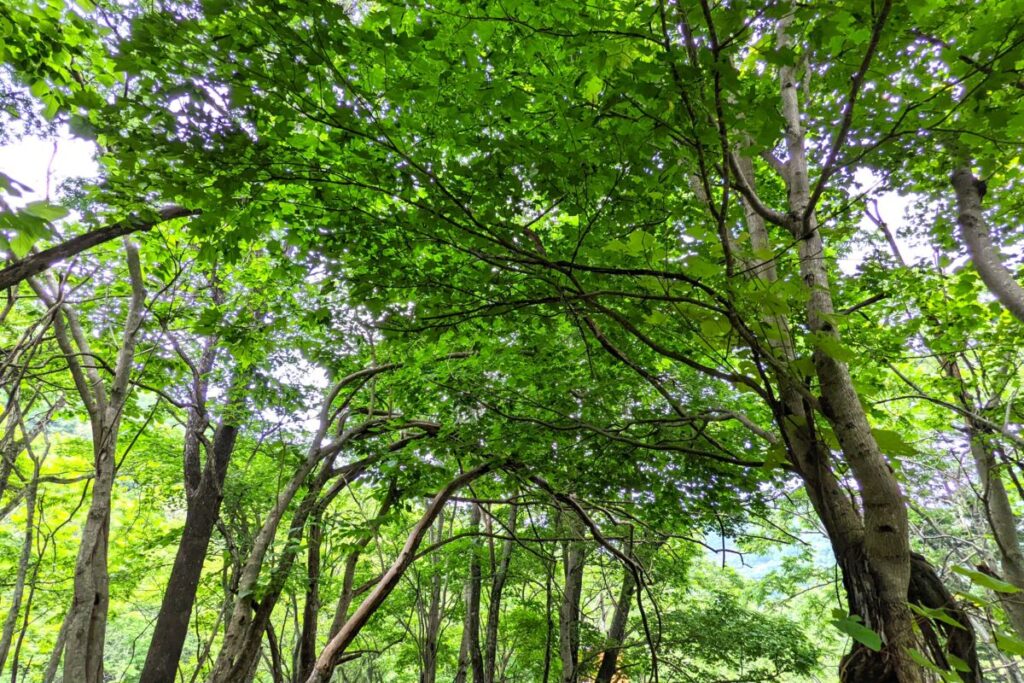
(986, 581)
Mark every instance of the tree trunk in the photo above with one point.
(335, 649)
(886, 546)
(977, 236)
(617, 630)
(569, 609)
(203, 510)
(431, 615)
(494, 604)
(23, 560)
(352, 561)
(1003, 524)
(470, 655)
(311, 605)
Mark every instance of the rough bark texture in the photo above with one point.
(978, 238)
(203, 495)
(335, 649)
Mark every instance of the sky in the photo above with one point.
(32, 159)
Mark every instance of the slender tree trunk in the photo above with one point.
(549, 631)
(335, 649)
(1003, 524)
(23, 561)
(431, 615)
(617, 629)
(569, 609)
(352, 561)
(470, 655)
(978, 238)
(494, 604)
(311, 605)
(86, 620)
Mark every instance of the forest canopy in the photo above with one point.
(651, 340)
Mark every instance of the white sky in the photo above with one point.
(30, 160)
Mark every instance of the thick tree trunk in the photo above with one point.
(494, 604)
(569, 609)
(886, 530)
(201, 516)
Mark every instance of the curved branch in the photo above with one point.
(37, 263)
(978, 238)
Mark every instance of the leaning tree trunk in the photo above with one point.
(203, 509)
(886, 546)
(978, 238)
(334, 652)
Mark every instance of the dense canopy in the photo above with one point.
(631, 340)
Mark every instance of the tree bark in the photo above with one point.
(431, 614)
(886, 529)
(311, 604)
(39, 262)
(494, 604)
(335, 649)
(569, 609)
(86, 620)
(203, 509)
(617, 630)
(23, 561)
(470, 656)
(978, 238)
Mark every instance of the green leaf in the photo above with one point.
(46, 210)
(892, 443)
(592, 88)
(1010, 644)
(851, 626)
(935, 615)
(986, 581)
